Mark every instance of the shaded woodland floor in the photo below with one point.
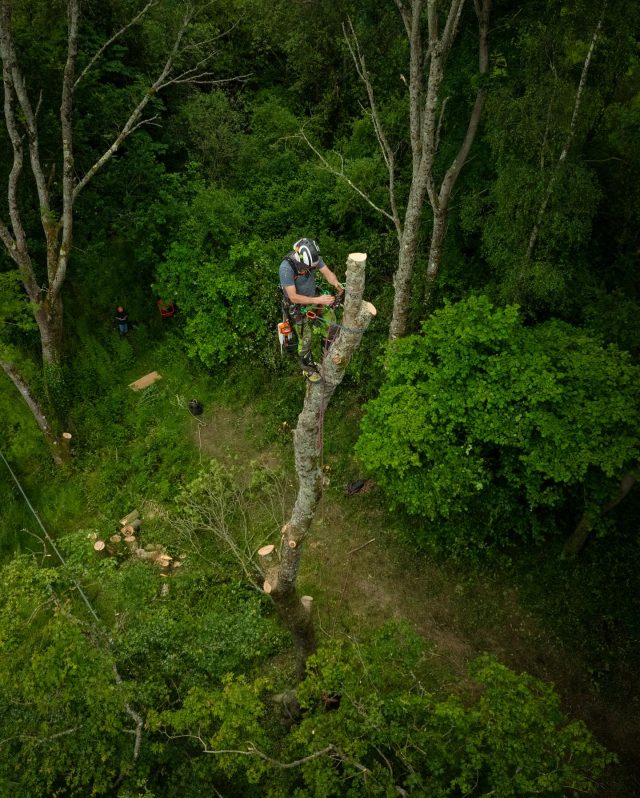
(361, 576)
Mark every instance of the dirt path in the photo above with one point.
(361, 577)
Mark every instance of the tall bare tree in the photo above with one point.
(43, 282)
(430, 44)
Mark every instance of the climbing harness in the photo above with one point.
(313, 316)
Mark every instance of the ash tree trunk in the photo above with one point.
(43, 282)
(281, 577)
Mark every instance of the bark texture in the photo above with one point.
(280, 580)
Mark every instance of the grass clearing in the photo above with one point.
(360, 576)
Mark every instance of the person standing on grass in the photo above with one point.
(122, 320)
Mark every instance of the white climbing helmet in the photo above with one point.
(307, 251)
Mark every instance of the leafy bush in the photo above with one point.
(488, 428)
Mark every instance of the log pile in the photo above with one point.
(126, 544)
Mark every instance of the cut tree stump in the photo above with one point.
(145, 381)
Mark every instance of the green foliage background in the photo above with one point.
(491, 429)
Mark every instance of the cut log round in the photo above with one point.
(99, 545)
(115, 538)
(267, 587)
(133, 515)
(265, 551)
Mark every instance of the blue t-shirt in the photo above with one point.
(305, 284)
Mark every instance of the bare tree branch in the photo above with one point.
(340, 173)
(385, 148)
(110, 41)
(8, 240)
(252, 750)
(57, 267)
(483, 8)
(570, 136)
(131, 123)
(406, 17)
(451, 26)
(15, 243)
(135, 716)
(416, 80)
(10, 61)
(204, 79)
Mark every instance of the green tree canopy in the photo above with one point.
(488, 427)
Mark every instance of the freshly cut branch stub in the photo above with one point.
(371, 308)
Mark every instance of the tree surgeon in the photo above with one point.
(310, 314)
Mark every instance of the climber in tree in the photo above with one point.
(298, 283)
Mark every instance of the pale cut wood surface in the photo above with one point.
(145, 381)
